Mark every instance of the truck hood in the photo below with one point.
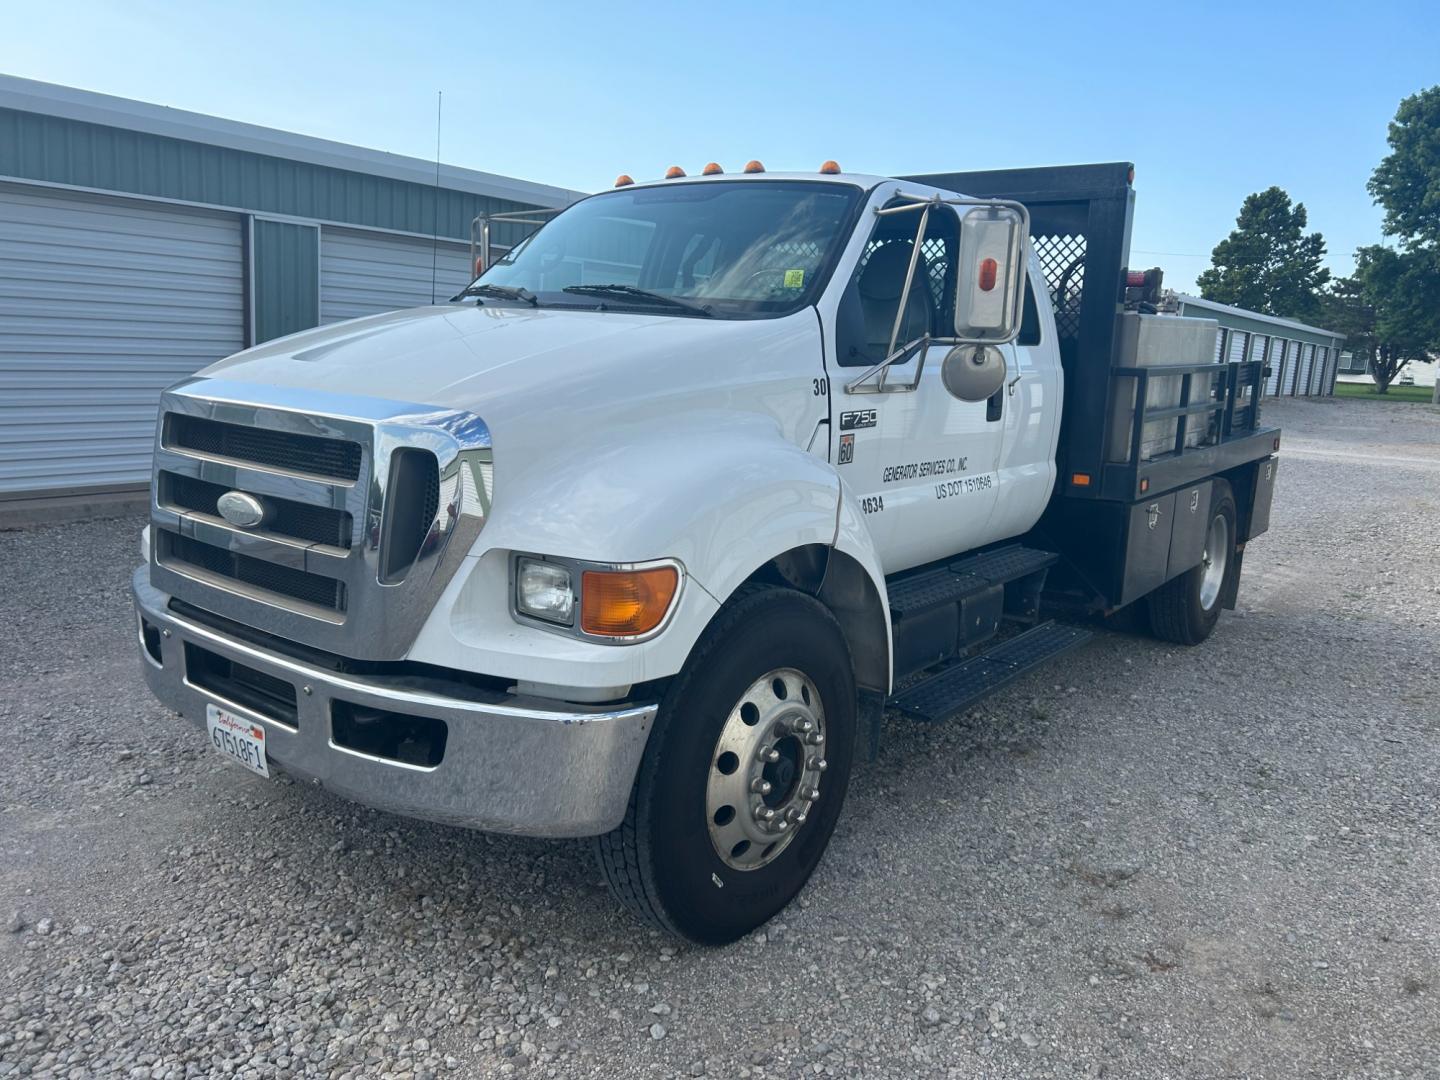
(471, 357)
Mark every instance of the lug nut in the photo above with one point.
(792, 814)
(806, 725)
(760, 786)
(817, 764)
(765, 814)
(813, 739)
(800, 820)
(772, 755)
(810, 794)
(781, 826)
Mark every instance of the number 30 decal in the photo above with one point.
(821, 387)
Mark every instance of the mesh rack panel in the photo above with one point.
(1062, 259)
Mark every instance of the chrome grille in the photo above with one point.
(294, 520)
(369, 505)
(269, 577)
(287, 451)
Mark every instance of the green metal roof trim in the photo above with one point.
(1253, 321)
(74, 153)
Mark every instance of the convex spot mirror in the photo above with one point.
(973, 372)
(990, 286)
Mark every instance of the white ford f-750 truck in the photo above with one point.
(639, 536)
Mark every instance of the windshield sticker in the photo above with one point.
(794, 279)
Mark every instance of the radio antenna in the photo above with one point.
(435, 218)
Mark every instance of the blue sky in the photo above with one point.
(1211, 101)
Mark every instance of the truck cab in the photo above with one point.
(638, 537)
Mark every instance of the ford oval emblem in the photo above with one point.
(241, 510)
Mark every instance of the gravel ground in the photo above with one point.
(1147, 862)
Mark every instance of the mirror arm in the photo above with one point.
(905, 292)
(920, 345)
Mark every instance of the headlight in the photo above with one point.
(545, 591)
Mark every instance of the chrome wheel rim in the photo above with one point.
(766, 768)
(1214, 561)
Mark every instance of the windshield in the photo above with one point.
(727, 248)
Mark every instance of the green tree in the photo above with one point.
(1268, 263)
(1407, 182)
(1389, 310)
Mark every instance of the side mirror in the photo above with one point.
(973, 372)
(989, 290)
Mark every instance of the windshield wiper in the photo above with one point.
(641, 295)
(499, 292)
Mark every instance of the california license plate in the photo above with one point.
(237, 738)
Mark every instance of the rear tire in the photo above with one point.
(701, 853)
(1186, 608)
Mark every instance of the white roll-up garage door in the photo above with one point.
(1307, 364)
(103, 303)
(1277, 366)
(364, 273)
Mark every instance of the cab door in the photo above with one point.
(920, 463)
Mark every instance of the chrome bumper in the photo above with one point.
(524, 766)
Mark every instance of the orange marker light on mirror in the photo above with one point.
(989, 271)
(674, 172)
(713, 169)
(753, 167)
(624, 603)
(623, 180)
(830, 168)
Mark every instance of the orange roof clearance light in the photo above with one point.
(674, 172)
(712, 169)
(623, 180)
(830, 168)
(625, 603)
(754, 166)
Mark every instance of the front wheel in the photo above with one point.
(1186, 608)
(744, 775)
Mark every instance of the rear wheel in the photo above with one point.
(744, 775)
(1186, 608)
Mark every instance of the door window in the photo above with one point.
(872, 298)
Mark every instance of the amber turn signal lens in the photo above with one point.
(622, 603)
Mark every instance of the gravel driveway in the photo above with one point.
(1145, 862)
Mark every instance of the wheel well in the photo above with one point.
(840, 583)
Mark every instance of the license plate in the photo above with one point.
(238, 739)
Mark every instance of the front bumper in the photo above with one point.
(510, 764)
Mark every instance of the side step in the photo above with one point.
(965, 682)
(965, 577)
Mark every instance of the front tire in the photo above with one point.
(744, 775)
(1186, 608)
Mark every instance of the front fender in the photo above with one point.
(721, 492)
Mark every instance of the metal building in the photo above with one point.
(140, 243)
(1303, 359)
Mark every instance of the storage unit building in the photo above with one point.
(1303, 360)
(140, 243)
